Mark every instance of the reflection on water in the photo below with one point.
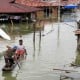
(44, 53)
(39, 40)
(8, 76)
(69, 17)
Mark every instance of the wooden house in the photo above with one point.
(50, 7)
(10, 10)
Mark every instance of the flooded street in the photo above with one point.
(55, 48)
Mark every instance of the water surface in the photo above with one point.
(55, 48)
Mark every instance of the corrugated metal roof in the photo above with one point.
(7, 7)
(33, 3)
(70, 2)
(26, 8)
(39, 3)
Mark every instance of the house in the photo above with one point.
(50, 10)
(50, 7)
(10, 10)
(30, 9)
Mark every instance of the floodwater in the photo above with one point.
(55, 48)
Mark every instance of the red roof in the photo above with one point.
(70, 2)
(33, 3)
(7, 7)
(73, 1)
(39, 3)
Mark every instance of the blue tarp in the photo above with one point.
(71, 6)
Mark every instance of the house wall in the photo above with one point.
(40, 15)
(55, 13)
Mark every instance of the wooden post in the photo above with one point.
(12, 26)
(78, 24)
(27, 23)
(39, 36)
(58, 36)
(34, 32)
(34, 29)
(78, 36)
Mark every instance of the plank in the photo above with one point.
(66, 70)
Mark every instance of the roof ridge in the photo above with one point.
(14, 4)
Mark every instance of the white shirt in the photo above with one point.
(20, 47)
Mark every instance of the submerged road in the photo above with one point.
(57, 48)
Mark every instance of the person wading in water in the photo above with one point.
(20, 50)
